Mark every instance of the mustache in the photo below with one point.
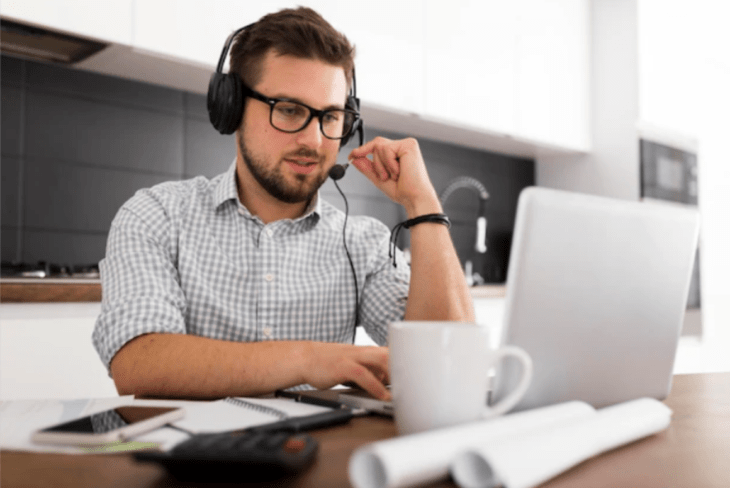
(305, 153)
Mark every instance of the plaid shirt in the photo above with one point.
(187, 257)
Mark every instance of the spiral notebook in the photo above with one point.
(236, 413)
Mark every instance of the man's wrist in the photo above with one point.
(422, 206)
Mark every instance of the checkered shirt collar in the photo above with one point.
(226, 190)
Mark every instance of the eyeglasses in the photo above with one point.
(290, 116)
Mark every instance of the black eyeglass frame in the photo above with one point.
(313, 112)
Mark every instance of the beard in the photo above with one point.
(271, 178)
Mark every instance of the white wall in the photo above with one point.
(684, 68)
(611, 168)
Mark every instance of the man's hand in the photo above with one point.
(332, 364)
(398, 170)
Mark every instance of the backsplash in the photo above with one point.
(76, 145)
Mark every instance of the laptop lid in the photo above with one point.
(596, 294)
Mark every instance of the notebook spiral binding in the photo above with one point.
(259, 408)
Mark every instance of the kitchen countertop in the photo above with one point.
(33, 290)
(492, 290)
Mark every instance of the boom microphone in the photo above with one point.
(338, 171)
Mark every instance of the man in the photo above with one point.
(240, 285)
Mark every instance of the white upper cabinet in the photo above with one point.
(471, 65)
(102, 20)
(518, 68)
(553, 72)
(388, 37)
(192, 30)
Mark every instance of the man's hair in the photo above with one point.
(300, 32)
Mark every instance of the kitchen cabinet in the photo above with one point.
(109, 21)
(190, 31)
(518, 68)
(553, 72)
(390, 53)
(46, 352)
(471, 75)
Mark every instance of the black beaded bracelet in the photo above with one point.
(435, 218)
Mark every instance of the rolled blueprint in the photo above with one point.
(426, 456)
(532, 458)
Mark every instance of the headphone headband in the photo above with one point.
(227, 47)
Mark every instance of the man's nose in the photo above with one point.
(311, 135)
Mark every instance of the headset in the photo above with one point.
(226, 94)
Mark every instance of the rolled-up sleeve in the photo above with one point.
(141, 290)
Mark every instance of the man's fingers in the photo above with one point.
(368, 382)
(371, 370)
(366, 366)
(378, 159)
(367, 148)
(366, 167)
(388, 157)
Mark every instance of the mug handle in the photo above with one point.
(511, 400)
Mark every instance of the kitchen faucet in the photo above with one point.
(473, 184)
(480, 246)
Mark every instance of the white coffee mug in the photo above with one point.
(439, 374)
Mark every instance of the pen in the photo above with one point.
(309, 422)
(310, 400)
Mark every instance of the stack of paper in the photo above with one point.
(515, 451)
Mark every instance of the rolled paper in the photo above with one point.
(425, 457)
(526, 460)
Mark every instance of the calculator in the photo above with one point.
(236, 456)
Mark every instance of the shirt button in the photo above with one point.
(267, 332)
(269, 277)
(269, 232)
(241, 211)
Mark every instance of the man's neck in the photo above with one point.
(261, 203)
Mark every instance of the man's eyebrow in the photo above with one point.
(294, 99)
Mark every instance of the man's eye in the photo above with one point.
(290, 110)
(331, 117)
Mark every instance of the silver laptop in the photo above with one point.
(596, 294)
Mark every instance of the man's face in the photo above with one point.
(291, 166)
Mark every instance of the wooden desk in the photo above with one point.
(693, 452)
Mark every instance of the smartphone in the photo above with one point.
(114, 425)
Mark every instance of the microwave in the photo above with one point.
(668, 171)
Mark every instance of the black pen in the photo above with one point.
(308, 422)
(298, 397)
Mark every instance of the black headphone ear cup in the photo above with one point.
(214, 97)
(353, 103)
(235, 109)
(225, 102)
